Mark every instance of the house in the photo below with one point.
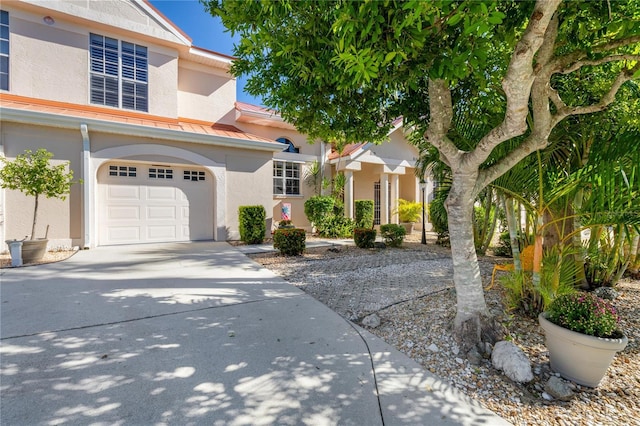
(151, 125)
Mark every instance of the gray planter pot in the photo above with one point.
(33, 250)
(580, 358)
(408, 227)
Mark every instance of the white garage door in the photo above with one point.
(144, 203)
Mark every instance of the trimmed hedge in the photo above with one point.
(252, 224)
(364, 213)
(364, 237)
(290, 242)
(392, 234)
(318, 207)
(335, 226)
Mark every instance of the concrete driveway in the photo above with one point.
(197, 333)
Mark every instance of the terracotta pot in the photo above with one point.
(408, 227)
(33, 250)
(578, 357)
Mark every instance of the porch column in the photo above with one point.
(348, 194)
(395, 190)
(384, 199)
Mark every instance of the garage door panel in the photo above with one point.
(123, 234)
(147, 208)
(161, 212)
(163, 194)
(122, 192)
(123, 213)
(161, 232)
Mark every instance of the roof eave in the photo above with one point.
(62, 121)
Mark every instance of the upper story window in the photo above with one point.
(286, 178)
(290, 146)
(119, 73)
(4, 50)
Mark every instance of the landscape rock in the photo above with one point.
(379, 245)
(433, 348)
(371, 321)
(608, 293)
(512, 361)
(474, 357)
(559, 389)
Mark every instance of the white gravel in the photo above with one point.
(411, 290)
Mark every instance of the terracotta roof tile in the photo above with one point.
(128, 117)
(348, 150)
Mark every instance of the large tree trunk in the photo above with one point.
(473, 325)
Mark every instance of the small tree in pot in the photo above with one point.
(33, 174)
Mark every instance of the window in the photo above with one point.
(290, 146)
(4, 50)
(193, 175)
(124, 171)
(119, 73)
(286, 178)
(160, 173)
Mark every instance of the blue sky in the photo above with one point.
(205, 31)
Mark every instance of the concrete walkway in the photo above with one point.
(197, 333)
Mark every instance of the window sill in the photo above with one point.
(280, 196)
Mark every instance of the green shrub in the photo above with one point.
(364, 237)
(439, 218)
(504, 245)
(392, 234)
(285, 224)
(290, 242)
(335, 226)
(318, 207)
(364, 213)
(252, 224)
(409, 211)
(584, 313)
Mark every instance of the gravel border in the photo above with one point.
(411, 290)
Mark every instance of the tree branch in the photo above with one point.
(441, 109)
(582, 63)
(607, 99)
(566, 61)
(531, 144)
(518, 81)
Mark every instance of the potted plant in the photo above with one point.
(409, 212)
(33, 174)
(582, 336)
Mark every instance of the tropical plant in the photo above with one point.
(347, 70)
(585, 313)
(409, 211)
(392, 234)
(364, 237)
(290, 242)
(318, 207)
(33, 174)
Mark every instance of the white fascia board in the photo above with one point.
(202, 56)
(293, 157)
(61, 121)
(168, 25)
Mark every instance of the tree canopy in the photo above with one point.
(343, 70)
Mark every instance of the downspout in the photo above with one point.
(3, 206)
(87, 184)
(323, 160)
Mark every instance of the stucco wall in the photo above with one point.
(205, 94)
(249, 177)
(52, 62)
(63, 217)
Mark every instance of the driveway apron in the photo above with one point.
(197, 333)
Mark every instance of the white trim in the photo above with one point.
(87, 187)
(293, 157)
(104, 126)
(217, 170)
